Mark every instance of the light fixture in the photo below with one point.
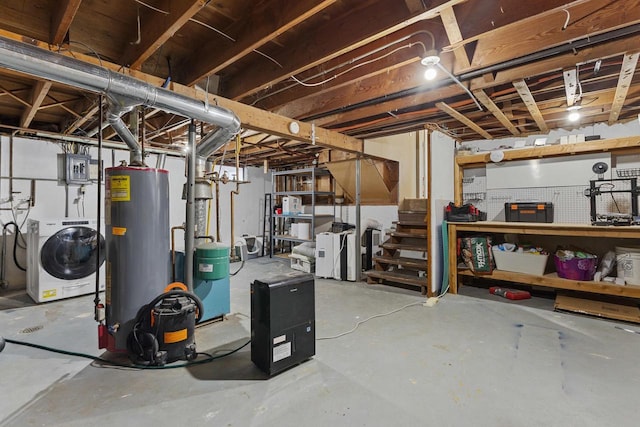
(430, 61)
(574, 113)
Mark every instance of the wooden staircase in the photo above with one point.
(396, 268)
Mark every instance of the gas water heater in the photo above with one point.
(137, 253)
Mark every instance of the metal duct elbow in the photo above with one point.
(118, 125)
(216, 139)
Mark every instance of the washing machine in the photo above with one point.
(61, 258)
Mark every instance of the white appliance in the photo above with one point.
(324, 255)
(61, 258)
(344, 256)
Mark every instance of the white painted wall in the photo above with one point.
(36, 159)
(442, 185)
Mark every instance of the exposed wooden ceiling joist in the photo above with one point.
(336, 38)
(158, 28)
(530, 102)
(461, 118)
(628, 69)
(453, 33)
(38, 94)
(62, 17)
(495, 110)
(211, 59)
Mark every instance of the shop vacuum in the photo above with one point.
(164, 329)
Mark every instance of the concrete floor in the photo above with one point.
(466, 361)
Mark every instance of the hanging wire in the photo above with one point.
(362, 64)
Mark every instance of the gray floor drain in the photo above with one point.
(31, 329)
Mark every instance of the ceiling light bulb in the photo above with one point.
(430, 73)
(574, 113)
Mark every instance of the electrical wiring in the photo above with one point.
(210, 358)
(367, 319)
(349, 62)
(362, 64)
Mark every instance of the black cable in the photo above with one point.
(96, 298)
(17, 234)
(238, 270)
(210, 358)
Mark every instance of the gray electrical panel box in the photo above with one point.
(74, 168)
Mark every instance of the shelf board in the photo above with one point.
(303, 193)
(554, 150)
(309, 217)
(553, 281)
(551, 229)
(288, 238)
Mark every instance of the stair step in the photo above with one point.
(411, 223)
(419, 248)
(403, 261)
(411, 215)
(419, 234)
(395, 277)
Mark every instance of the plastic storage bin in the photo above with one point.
(520, 262)
(576, 268)
(528, 212)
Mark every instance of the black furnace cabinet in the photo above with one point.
(282, 321)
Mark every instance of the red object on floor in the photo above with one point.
(513, 294)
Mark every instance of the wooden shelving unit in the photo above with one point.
(628, 145)
(547, 280)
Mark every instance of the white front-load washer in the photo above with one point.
(61, 258)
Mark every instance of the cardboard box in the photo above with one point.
(291, 205)
(610, 310)
(520, 262)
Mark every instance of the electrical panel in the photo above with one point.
(74, 168)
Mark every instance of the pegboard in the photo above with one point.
(569, 202)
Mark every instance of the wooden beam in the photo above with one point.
(606, 145)
(38, 95)
(423, 97)
(495, 110)
(336, 38)
(530, 102)
(159, 28)
(462, 119)
(405, 75)
(558, 63)
(212, 59)
(546, 29)
(453, 33)
(82, 119)
(10, 94)
(627, 71)
(61, 19)
(341, 76)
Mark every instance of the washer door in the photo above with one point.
(71, 253)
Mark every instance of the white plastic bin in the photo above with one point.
(520, 262)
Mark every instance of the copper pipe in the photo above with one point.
(173, 250)
(235, 192)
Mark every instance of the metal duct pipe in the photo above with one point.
(118, 125)
(49, 65)
(189, 230)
